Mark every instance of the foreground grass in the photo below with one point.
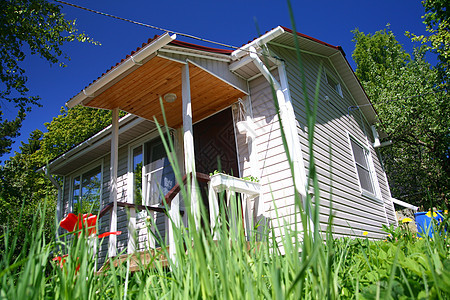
(232, 268)
(303, 264)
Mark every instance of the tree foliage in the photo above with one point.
(414, 112)
(35, 27)
(22, 188)
(437, 22)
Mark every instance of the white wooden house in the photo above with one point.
(219, 104)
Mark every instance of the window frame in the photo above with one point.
(79, 173)
(140, 142)
(335, 87)
(376, 194)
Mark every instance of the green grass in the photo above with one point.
(303, 264)
(402, 267)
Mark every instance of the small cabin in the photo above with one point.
(222, 117)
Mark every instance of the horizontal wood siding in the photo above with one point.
(275, 174)
(338, 181)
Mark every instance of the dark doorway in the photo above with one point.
(215, 149)
(215, 145)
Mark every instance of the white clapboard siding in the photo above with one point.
(332, 152)
(275, 174)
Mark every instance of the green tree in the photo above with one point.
(22, 188)
(36, 27)
(437, 22)
(414, 112)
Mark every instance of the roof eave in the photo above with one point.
(134, 60)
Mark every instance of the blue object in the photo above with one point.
(424, 224)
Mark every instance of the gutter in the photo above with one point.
(376, 138)
(286, 114)
(132, 61)
(257, 43)
(405, 204)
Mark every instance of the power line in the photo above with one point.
(147, 25)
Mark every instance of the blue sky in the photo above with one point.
(229, 22)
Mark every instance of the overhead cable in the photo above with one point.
(146, 25)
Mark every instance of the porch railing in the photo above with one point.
(232, 186)
(217, 183)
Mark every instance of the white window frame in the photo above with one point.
(376, 195)
(79, 173)
(140, 142)
(130, 177)
(335, 84)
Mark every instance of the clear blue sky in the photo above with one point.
(231, 22)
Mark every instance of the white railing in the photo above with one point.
(231, 186)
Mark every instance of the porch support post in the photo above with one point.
(112, 251)
(188, 138)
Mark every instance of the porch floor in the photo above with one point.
(148, 259)
(139, 260)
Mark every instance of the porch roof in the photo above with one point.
(136, 84)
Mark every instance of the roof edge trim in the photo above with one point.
(132, 61)
(264, 39)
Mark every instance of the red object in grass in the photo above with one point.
(69, 222)
(100, 236)
(62, 260)
(73, 222)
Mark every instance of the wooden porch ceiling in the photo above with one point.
(139, 92)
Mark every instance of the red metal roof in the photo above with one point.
(212, 50)
(312, 39)
(202, 48)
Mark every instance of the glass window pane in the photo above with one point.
(365, 179)
(158, 152)
(359, 154)
(159, 175)
(137, 175)
(90, 191)
(75, 194)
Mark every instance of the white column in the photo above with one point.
(290, 126)
(112, 251)
(131, 248)
(174, 224)
(188, 138)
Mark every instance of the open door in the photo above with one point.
(215, 144)
(215, 148)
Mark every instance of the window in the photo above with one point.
(361, 156)
(137, 174)
(86, 191)
(334, 83)
(159, 177)
(152, 174)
